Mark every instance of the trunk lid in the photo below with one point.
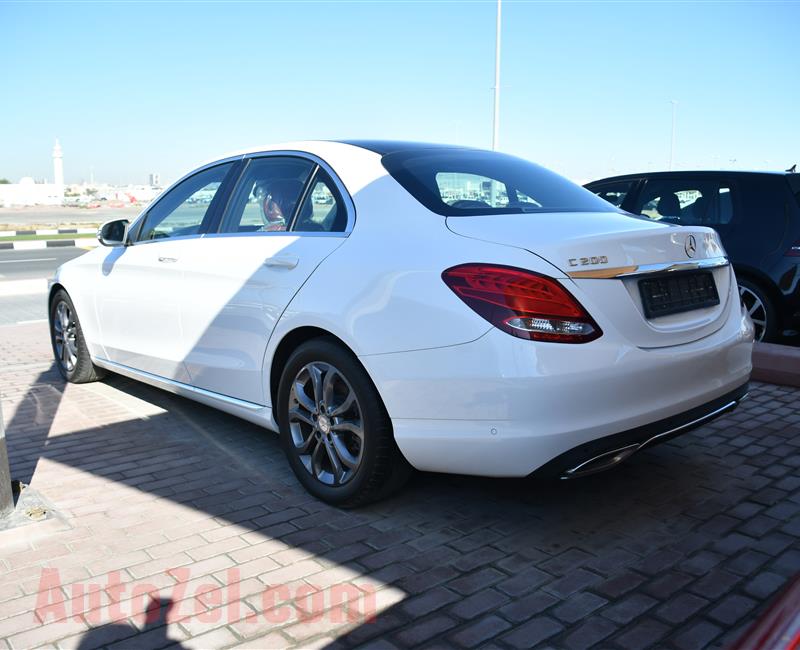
(588, 246)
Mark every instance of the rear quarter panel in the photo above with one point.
(382, 291)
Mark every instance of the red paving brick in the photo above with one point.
(678, 547)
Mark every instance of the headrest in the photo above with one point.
(669, 206)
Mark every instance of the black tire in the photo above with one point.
(750, 292)
(81, 370)
(381, 469)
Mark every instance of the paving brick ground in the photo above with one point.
(166, 502)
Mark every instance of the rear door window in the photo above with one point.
(688, 202)
(322, 209)
(267, 195)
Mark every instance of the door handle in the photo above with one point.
(167, 260)
(281, 262)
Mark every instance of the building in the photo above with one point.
(155, 180)
(128, 193)
(29, 192)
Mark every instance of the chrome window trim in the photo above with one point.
(164, 240)
(648, 269)
(275, 233)
(349, 205)
(303, 196)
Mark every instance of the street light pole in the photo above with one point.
(496, 114)
(496, 119)
(672, 146)
(6, 495)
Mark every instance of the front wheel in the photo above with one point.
(334, 428)
(69, 346)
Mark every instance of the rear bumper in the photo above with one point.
(502, 406)
(604, 453)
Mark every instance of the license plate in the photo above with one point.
(673, 294)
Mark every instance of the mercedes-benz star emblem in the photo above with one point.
(690, 246)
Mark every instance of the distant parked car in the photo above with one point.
(757, 215)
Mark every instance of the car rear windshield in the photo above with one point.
(465, 182)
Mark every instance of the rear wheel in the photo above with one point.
(334, 428)
(69, 346)
(760, 309)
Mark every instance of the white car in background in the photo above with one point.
(531, 327)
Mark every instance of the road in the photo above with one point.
(22, 298)
(39, 263)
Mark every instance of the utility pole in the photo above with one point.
(496, 119)
(496, 114)
(6, 496)
(672, 146)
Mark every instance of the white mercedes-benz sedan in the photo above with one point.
(389, 305)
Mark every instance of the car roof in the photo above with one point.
(693, 172)
(384, 147)
(321, 147)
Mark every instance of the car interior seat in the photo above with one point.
(700, 212)
(466, 204)
(669, 206)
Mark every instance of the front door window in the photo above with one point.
(185, 209)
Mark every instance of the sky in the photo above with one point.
(131, 88)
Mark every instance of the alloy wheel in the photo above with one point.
(325, 423)
(756, 309)
(64, 333)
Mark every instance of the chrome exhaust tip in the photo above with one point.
(600, 463)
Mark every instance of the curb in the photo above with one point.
(776, 364)
(59, 231)
(83, 242)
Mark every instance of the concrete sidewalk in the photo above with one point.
(162, 502)
(23, 300)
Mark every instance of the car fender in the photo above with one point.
(394, 298)
(76, 276)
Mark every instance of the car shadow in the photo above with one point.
(439, 528)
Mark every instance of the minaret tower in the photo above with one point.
(58, 165)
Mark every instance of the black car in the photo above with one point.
(757, 215)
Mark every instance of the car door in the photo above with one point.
(138, 289)
(286, 215)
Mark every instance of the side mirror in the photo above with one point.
(113, 233)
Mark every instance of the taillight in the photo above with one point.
(522, 303)
(794, 250)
